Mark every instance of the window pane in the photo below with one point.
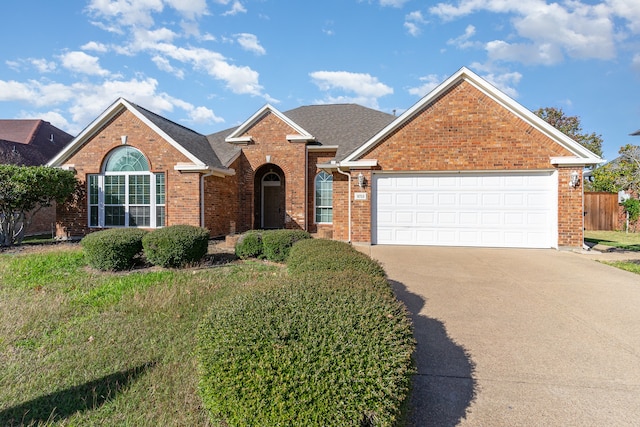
(139, 216)
(114, 189)
(139, 190)
(114, 216)
(159, 216)
(93, 189)
(93, 216)
(160, 189)
(324, 197)
(126, 159)
(324, 215)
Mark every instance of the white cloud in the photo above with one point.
(428, 83)
(95, 47)
(506, 82)
(126, 12)
(250, 43)
(236, 8)
(413, 22)
(463, 41)
(83, 102)
(80, 62)
(628, 10)
(203, 115)
(549, 32)
(240, 80)
(42, 65)
(190, 9)
(367, 89)
(393, 3)
(164, 65)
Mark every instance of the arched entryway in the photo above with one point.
(269, 197)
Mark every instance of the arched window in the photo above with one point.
(324, 197)
(126, 193)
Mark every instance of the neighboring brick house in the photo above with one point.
(32, 142)
(465, 166)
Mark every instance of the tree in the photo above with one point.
(570, 126)
(621, 174)
(24, 190)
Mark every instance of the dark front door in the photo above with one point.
(272, 201)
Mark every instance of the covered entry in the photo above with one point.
(466, 209)
(269, 194)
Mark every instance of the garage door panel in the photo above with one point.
(509, 210)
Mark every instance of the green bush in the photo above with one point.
(176, 246)
(329, 255)
(249, 245)
(314, 350)
(113, 249)
(277, 243)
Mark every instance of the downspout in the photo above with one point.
(348, 175)
(202, 197)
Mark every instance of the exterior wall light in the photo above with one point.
(574, 180)
(361, 180)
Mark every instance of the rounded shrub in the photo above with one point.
(307, 351)
(316, 255)
(113, 249)
(277, 243)
(249, 245)
(176, 245)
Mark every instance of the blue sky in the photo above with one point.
(210, 64)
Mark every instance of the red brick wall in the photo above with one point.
(221, 205)
(43, 222)
(183, 189)
(269, 139)
(570, 209)
(466, 130)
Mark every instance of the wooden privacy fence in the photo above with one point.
(600, 211)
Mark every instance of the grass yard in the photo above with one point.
(632, 265)
(80, 347)
(617, 239)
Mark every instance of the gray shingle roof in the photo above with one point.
(192, 141)
(347, 126)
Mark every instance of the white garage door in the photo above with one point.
(493, 210)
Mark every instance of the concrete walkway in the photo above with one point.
(519, 337)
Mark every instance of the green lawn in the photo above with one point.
(80, 347)
(632, 266)
(618, 239)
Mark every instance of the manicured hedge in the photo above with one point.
(176, 246)
(113, 249)
(330, 255)
(323, 348)
(249, 245)
(278, 243)
(273, 245)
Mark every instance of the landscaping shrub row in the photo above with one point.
(273, 245)
(118, 248)
(323, 347)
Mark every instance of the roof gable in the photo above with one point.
(191, 144)
(581, 155)
(239, 134)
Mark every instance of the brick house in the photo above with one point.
(32, 142)
(465, 166)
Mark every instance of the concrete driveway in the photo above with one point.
(510, 337)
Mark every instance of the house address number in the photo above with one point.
(360, 196)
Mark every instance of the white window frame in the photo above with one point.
(153, 205)
(315, 199)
